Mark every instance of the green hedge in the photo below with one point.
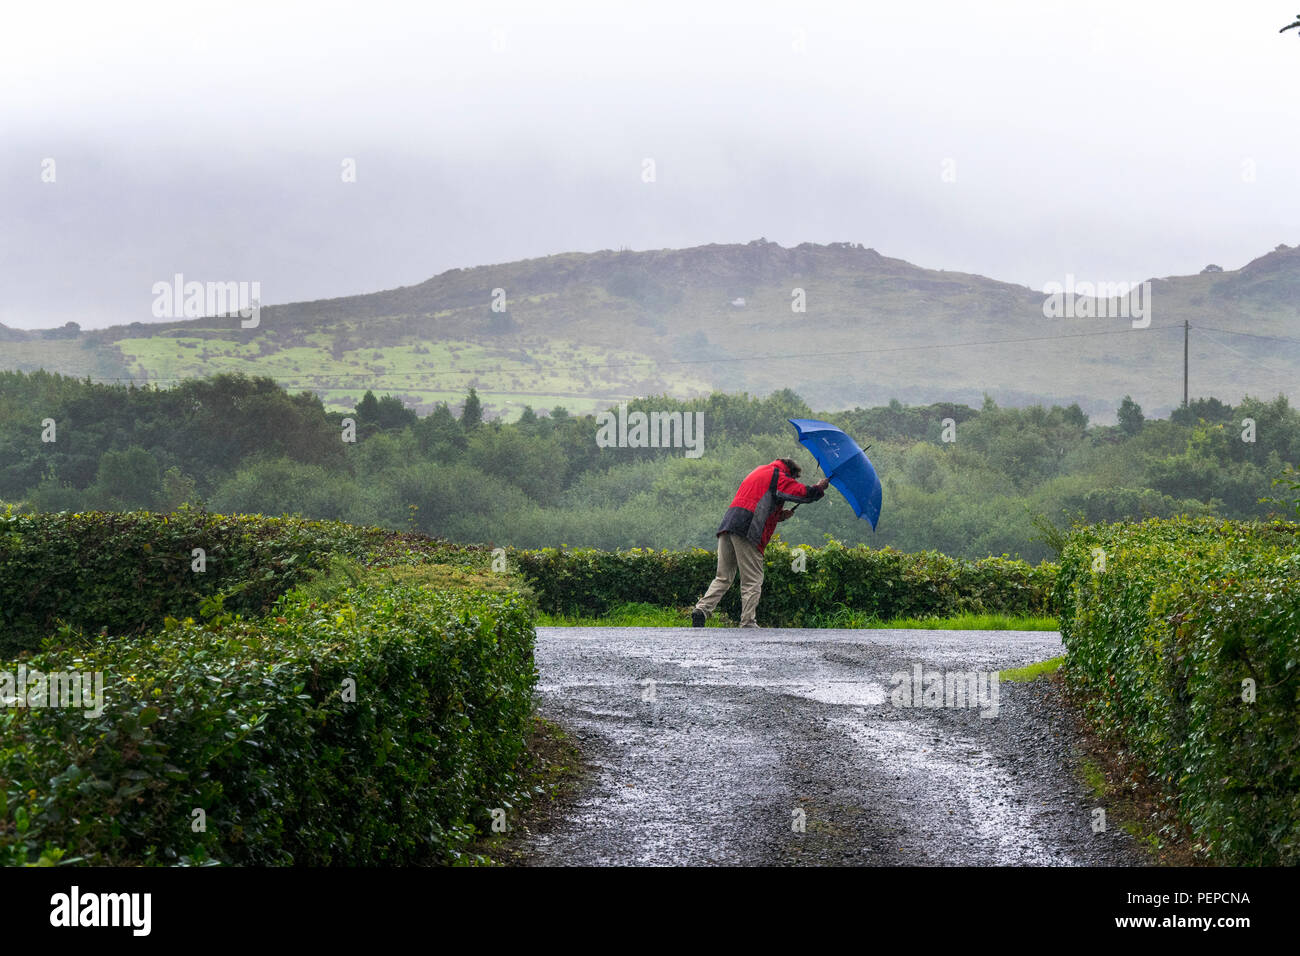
(243, 716)
(125, 571)
(885, 582)
(1159, 643)
(247, 721)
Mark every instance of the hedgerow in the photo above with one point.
(123, 571)
(1163, 623)
(250, 722)
(884, 582)
(376, 720)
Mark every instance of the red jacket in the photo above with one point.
(755, 510)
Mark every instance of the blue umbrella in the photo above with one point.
(844, 463)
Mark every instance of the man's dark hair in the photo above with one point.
(791, 468)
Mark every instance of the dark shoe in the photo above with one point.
(697, 618)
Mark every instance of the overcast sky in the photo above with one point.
(1111, 140)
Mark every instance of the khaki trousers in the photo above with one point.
(735, 552)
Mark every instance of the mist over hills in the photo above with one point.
(586, 330)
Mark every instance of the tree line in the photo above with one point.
(969, 482)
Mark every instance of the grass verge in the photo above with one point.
(652, 615)
(1130, 798)
(1032, 671)
(553, 768)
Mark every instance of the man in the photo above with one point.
(744, 532)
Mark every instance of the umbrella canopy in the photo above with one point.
(845, 464)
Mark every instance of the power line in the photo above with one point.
(1253, 361)
(1253, 335)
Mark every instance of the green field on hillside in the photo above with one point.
(589, 330)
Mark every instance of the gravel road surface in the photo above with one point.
(784, 747)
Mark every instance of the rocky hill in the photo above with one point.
(585, 330)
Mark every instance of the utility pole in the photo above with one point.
(1186, 327)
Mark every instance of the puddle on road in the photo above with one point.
(957, 769)
(721, 663)
(848, 693)
(845, 693)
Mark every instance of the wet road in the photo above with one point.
(789, 746)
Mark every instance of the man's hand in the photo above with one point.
(823, 484)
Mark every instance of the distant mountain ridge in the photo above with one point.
(586, 330)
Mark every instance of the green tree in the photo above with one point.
(1289, 482)
(471, 416)
(126, 480)
(177, 489)
(1130, 416)
(368, 408)
(439, 435)
(1202, 409)
(525, 461)
(283, 486)
(54, 495)
(382, 414)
